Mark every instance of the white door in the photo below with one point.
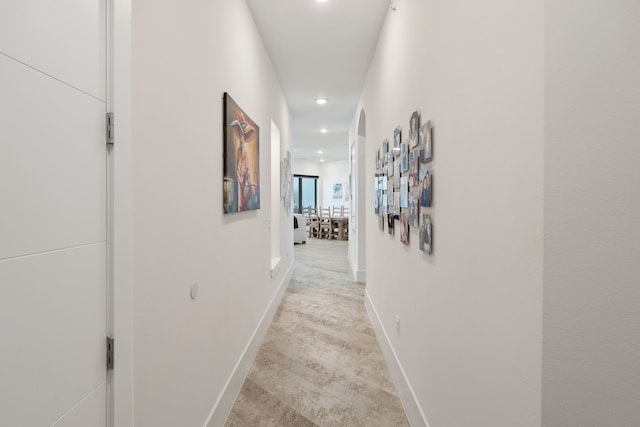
(53, 304)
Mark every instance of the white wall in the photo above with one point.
(591, 363)
(470, 315)
(306, 167)
(185, 55)
(334, 173)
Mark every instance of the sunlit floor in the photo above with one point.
(320, 363)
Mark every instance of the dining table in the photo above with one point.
(342, 224)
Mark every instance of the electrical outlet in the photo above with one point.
(194, 291)
(398, 324)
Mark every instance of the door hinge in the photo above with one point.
(110, 353)
(110, 128)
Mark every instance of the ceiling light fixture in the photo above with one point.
(321, 160)
(319, 151)
(321, 101)
(323, 130)
(322, 1)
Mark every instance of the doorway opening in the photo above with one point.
(357, 247)
(305, 192)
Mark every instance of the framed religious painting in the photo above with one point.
(241, 158)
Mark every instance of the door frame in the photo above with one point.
(120, 391)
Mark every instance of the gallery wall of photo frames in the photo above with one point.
(404, 182)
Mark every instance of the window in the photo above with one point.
(305, 192)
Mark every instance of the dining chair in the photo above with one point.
(314, 223)
(324, 227)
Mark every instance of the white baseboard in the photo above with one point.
(412, 408)
(223, 405)
(358, 275)
(275, 266)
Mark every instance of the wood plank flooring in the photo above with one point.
(320, 363)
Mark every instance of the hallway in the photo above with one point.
(320, 363)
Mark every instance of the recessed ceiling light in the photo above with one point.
(319, 151)
(322, 1)
(321, 101)
(323, 130)
(321, 160)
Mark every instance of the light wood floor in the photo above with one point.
(320, 363)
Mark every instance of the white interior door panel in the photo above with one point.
(53, 174)
(53, 213)
(91, 412)
(62, 38)
(52, 323)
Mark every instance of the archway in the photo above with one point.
(357, 248)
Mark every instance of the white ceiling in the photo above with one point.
(320, 50)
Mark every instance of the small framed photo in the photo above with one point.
(425, 142)
(376, 201)
(396, 204)
(397, 140)
(404, 158)
(425, 234)
(404, 229)
(426, 186)
(413, 210)
(396, 173)
(391, 223)
(404, 192)
(413, 168)
(414, 128)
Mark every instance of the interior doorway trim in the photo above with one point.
(120, 392)
(359, 192)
